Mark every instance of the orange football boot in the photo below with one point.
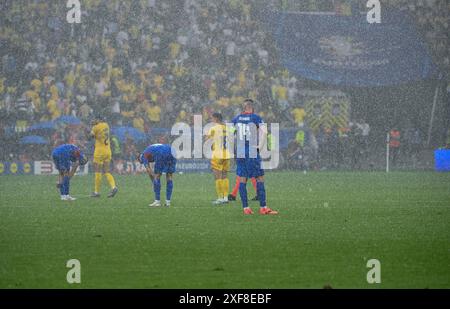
(267, 211)
(248, 211)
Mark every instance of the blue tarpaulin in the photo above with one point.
(68, 120)
(348, 51)
(123, 132)
(33, 139)
(43, 126)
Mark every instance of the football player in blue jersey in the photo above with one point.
(67, 158)
(164, 162)
(250, 137)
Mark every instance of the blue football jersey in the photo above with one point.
(159, 152)
(246, 126)
(69, 152)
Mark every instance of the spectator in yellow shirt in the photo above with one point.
(36, 84)
(54, 92)
(212, 92)
(138, 123)
(182, 116)
(299, 115)
(282, 93)
(174, 50)
(34, 97)
(223, 102)
(154, 113)
(53, 109)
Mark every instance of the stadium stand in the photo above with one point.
(149, 64)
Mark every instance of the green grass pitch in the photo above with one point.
(330, 225)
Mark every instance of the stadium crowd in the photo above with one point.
(150, 63)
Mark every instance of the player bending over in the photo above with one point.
(102, 157)
(67, 158)
(165, 162)
(249, 134)
(220, 159)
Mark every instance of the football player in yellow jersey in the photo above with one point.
(102, 156)
(220, 160)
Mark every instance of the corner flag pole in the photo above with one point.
(388, 139)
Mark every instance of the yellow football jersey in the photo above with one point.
(219, 135)
(101, 134)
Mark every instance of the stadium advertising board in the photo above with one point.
(190, 166)
(121, 167)
(16, 168)
(183, 166)
(49, 168)
(442, 160)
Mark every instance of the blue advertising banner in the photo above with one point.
(348, 51)
(16, 168)
(193, 165)
(183, 166)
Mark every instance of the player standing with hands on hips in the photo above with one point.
(165, 162)
(250, 137)
(102, 156)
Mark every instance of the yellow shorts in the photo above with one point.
(222, 165)
(101, 156)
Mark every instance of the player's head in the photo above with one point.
(141, 157)
(217, 117)
(78, 155)
(248, 106)
(149, 157)
(97, 119)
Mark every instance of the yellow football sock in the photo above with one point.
(225, 187)
(98, 182)
(219, 188)
(110, 179)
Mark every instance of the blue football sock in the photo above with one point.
(66, 185)
(157, 189)
(169, 189)
(261, 193)
(61, 187)
(243, 194)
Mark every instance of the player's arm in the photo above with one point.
(73, 169)
(60, 180)
(262, 132)
(210, 134)
(92, 133)
(150, 172)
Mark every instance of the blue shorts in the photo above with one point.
(167, 166)
(249, 168)
(61, 162)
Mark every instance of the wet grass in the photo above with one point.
(330, 225)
